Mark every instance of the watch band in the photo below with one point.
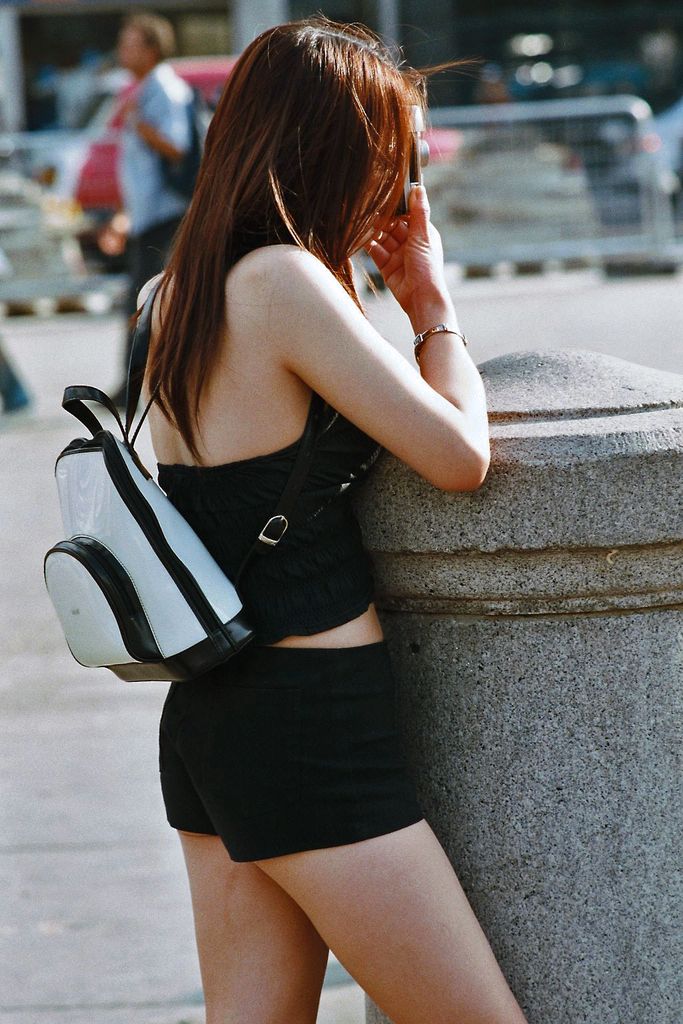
(419, 339)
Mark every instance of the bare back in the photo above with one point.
(252, 405)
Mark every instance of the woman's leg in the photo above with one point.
(395, 915)
(261, 959)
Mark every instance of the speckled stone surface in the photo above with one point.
(536, 629)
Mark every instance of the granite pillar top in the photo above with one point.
(587, 451)
(575, 383)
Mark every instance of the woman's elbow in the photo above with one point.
(479, 471)
(465, 474)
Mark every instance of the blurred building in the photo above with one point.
(576, 47)
(524, 49)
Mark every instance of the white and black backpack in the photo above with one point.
(134, 587)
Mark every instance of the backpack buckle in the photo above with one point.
(277, 525)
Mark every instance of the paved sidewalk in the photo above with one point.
(95, 926)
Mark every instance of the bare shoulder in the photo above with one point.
(265, 264)
(281, 276)
(285, 296)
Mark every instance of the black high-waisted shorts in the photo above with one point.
(284, 749)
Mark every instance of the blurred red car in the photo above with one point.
(97, 188)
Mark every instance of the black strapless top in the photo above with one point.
(319, 575)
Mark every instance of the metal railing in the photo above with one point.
(555, 179)
(517, 182)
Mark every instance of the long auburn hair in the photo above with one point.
(308, 146)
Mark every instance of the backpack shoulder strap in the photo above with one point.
(138, 361)
(274, 530)
(74, 399)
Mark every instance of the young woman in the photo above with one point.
(282, 770)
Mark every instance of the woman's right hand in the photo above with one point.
(409, 256)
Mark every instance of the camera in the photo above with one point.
(419, 157)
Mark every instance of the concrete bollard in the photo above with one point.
(536, 629)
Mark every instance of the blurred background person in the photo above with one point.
(12, 392)
(13, 395)
(157, 129)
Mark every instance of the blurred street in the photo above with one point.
(96, 924)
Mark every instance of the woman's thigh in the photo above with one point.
(393, 912)
(261, 959)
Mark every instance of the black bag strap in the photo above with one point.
(274, 530)
(73, 400)
(138, 362)
(75, 396)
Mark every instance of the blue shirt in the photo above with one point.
(163, 102)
